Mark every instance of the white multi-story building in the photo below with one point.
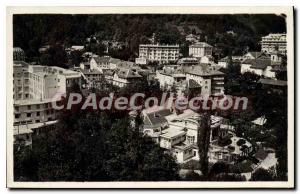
(175, 132)
(273, 42)
(125, 77)
(169, 77)
(18, 54)
(200, 49)
(261, 67)
(160, 53)
(210, 80)
(34, 89)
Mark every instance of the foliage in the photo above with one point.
(55, 56)
(261, 175)
(240, 142)
(89, 146)
(193, 176)
(75, 58)
(203, 142)
(192, 165)
(218, 168)
(224, 141)
(33, 31)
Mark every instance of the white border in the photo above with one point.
(166, 10)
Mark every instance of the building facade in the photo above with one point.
(159, 53)
(200, 49)
(210, 80)
(273, 42)
(34, 89)
(18, 54)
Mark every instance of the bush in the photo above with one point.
(192, 165)
(261, 175)
(240, 142)
(224, 142)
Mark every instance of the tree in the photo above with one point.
(203, 141)
(55, 56)
(218, 168)
(94, 146)
(75, 58)
(261, 175)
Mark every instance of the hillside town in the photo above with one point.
(237, 144)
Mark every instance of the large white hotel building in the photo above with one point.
(160, 53)
(273, 42)
(34, 88)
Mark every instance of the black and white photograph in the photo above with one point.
(150, 97)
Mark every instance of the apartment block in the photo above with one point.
(34, 89)
(159, 53)
(200, 49)
(273, 42)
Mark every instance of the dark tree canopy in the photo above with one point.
(94, 147)
(33, 31)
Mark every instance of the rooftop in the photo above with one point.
(258, 63)
(183, 146)
(200, 44)
(173, 132)
(90, 71)
(203, 70)
(27, 128)
(157, 118)
(128, 74)
(159, 45)
(273, 82)
(34, 101)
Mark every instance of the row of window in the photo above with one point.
(29, 115)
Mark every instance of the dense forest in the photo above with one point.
(30, 32)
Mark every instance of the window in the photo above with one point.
(37, 113)
(17, 116)
(191, 139)
(28, 107)
(37, 106)
(37, 121)
(28, 114)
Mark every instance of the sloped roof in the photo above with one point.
(22, 63)
(104, 59)
(108, 72)
(157, 118)
(203, 70)
(127, 74)
(125, 64)
(256, 54)
(114, 60)
(200, 44)
(90, 71)
(258, 63)
(192, 84)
